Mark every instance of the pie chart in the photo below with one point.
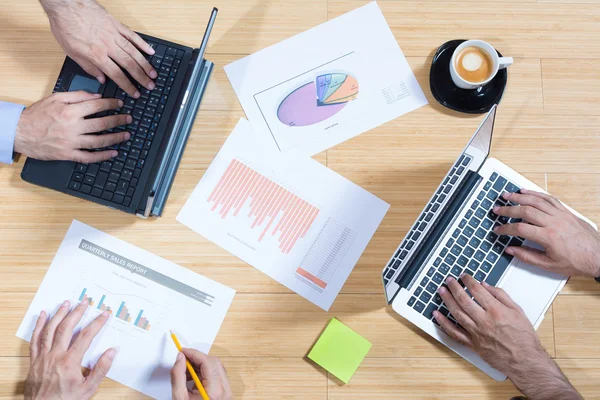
(317, 101)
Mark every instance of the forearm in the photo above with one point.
(52, 6)
(542, 379)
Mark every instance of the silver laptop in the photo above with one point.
(453, 235)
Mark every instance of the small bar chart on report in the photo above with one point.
(102, 306)
(268, 207)
(122, 310)
(142, 322)
(123, 313)
(85, 297)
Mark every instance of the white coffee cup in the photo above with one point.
(497, 64)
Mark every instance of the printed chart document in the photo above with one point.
(292, 218)
(147, 296)
(328, 84)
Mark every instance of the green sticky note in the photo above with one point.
(340, 350)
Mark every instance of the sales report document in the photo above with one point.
(292, 218)
(147, 297)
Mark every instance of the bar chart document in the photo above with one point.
(147, 296)
(328, 84)
(290, 217)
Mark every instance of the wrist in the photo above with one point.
(540, 378)
(53, 7)
(596, 267)
(21, 137)
(595, 261)
(533, 358)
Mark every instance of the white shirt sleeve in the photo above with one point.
(9, 118)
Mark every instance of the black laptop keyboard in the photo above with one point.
(473, 249)
(433, 208)
(116, 180)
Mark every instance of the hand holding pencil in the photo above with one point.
(211, 374)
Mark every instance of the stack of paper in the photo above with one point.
(263, 199)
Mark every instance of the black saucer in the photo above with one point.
(472, 101)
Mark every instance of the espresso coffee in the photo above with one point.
(474, 64)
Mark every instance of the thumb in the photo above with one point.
(501, 296)
(178, 379)
(76, 97)
(530, 256)
(100, 369)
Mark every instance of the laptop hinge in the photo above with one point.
(181, 132)
(184, 120)
(455, 205)
(149, 203)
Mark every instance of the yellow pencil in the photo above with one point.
(191, 370)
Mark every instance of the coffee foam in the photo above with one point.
(472, 61)
(473, 64)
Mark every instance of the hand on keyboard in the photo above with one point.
(100, 44)
(572, 247)
(54, 128)
(498, 330)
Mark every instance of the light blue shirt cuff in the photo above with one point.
(9, 118)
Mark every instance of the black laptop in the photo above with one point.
(139, 179)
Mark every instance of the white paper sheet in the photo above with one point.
(328, 84)
(290, 217)
(142, 287)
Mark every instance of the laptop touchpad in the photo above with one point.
(531, 287)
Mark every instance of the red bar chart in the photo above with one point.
(271, 209)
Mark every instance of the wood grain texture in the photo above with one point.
(571, 91)
(547, 129)
(413, 378)
(584, 374)
(576, 326)
(516, 29)
(573, 2)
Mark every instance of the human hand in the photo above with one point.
(54, 128)
(55, 371)
(211, 372)
(498, 330)
(100, 44)
(572, 246)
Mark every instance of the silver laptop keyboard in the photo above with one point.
(433, 208)
(473, 249)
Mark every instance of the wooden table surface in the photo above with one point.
(547, 128)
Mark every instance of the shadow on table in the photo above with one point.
(486, 382)
(422, 75)
(317, 367)
(23, 370)
(234, 375)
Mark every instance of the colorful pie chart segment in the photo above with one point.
(317, 101)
